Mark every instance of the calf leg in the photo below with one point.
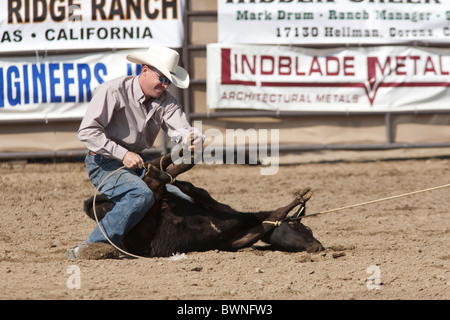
(202, 197)
(168, 177)
(199, 195)
(254, 234)
(280, 214)
(157, 179)
(162, 162)
(166, 160)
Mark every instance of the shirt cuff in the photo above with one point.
(195, 131)
(120, 153)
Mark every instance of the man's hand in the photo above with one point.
(133, 160)
(194, 142)
(196, 145)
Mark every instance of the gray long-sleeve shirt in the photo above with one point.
(117, 120)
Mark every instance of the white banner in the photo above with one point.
(79, 24)
(369, 79)
(333, 21)
(55, 87)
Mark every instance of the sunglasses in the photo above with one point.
(161, 78)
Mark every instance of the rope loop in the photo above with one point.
(275, 223)
(98, 222)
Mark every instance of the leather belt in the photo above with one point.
(91, 153)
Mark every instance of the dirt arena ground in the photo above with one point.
(396, 249)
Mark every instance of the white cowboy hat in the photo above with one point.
(166, 61)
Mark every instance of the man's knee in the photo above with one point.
(141, 195)
(148, 199)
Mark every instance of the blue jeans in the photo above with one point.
(131, 195)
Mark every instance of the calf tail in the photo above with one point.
(102, 206)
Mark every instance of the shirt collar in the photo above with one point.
(137, 90)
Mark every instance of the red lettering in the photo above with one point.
(284, 63)
(247, 62)
(316, 68)
(372, 63)
(348, 66)
(414, 59)
(298, 73)
(440, 67)
(327, 66)
(226, 69)
(400, 63)
(429, 66)
(271, 61)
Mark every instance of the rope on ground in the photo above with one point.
(377, 200)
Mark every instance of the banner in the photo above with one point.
(391, 78)
(55, 87)
(78, 24)
(333, 21)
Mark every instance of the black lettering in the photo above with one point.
(147, 33)
(170, 4)
(39, 5)
(446, 31)
(115, 33)
(116, 9)
(27, 11)
(14, 7)
(100, 8)
(102, 33)
(136, 7)
(17, 35)
(60, 9)
(151, 15)
(5, 37)
(48, 36)
(62, 35)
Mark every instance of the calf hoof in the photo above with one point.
(154, 173)
(304, 195)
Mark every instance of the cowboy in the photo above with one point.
(122, 119)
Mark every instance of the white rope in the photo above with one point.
(378, 200)
(275, 223)
(98, 223)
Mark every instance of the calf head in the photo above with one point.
(293, 236)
